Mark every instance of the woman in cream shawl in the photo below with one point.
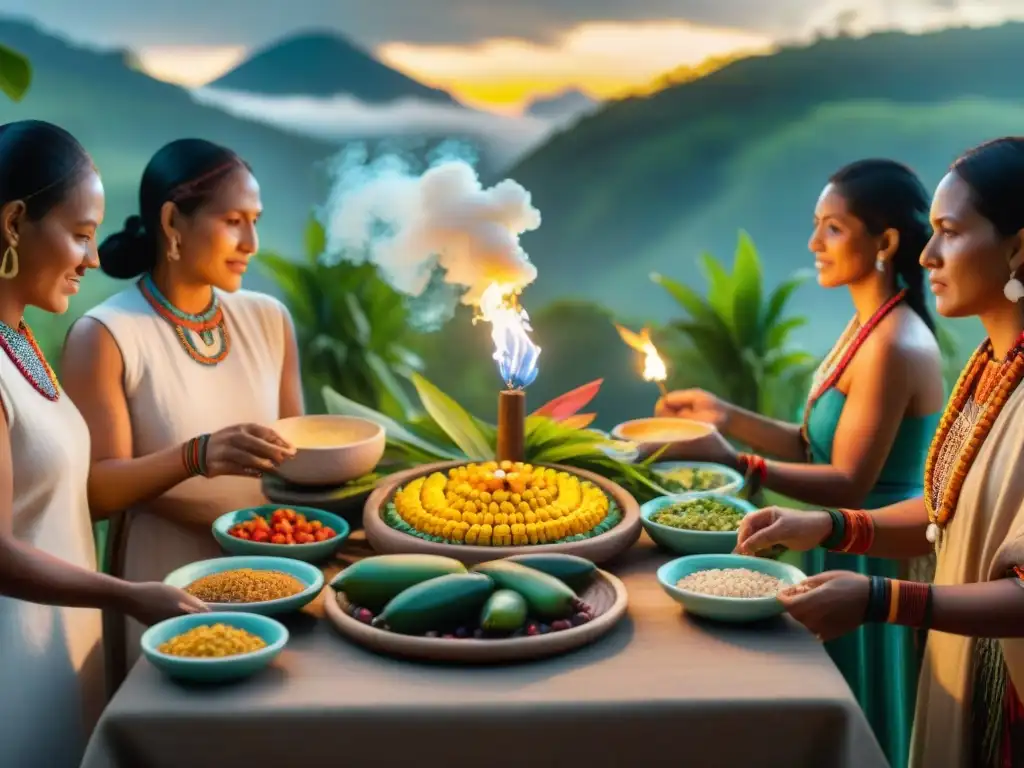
(969, 713)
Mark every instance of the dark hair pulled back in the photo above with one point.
(185, 172)
(40, 163)
(995, 173)
(885, 194)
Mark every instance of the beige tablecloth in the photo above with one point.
(660, 690)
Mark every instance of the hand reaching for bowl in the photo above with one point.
(694, 404)
(151, 602)
(245, 449)
(791, 528)
(830, 604)
(711, 447)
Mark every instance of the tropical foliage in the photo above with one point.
(352, 328)
(740, 335)
(556, 433)
(15, 73)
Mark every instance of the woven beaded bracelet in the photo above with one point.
(892, 601)
(193, 454)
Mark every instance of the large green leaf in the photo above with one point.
(339, 404)
(746, 302)
(689, 300)
(15, 73)
(778, 334)
(781, 296)
(315, 240)
(453, 419)
(720, 287)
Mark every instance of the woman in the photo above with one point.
(179, 374)
(969, 712)
(51, 684)
(872, 410)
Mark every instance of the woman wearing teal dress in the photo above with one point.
(872, 410)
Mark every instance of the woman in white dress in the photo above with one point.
(180, 375)
(51, 683)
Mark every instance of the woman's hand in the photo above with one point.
(151, 602)
(773, 526)
(245, 449)
(830, 604)
(712, 447)
(694, 404)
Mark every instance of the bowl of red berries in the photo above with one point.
(301, 533)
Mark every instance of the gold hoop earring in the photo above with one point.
(9, 264)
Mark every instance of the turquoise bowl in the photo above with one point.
(210, 670)
(730, 609)
(310, 553)
(308, 574)
(734, 481)
(687, 542)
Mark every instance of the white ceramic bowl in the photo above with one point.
(330, 450)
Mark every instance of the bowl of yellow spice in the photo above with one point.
(214, 647)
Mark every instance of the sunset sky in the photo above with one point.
(491, 53)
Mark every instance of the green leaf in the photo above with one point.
(15, 73)
(689, 300)
(720, 287)
(453, 419)
(782, 294)
(777, 334)
(339, 404)
(746, 303)
(315, 240)
(393, 397)
(783, 364)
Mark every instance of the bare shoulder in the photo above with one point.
(902, 344)
(89, 344)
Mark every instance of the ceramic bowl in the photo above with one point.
(728, 609)
(732, 481)
(330, 450)
(214, 670)
(314, 552)
(656, 432)
(308, 574)
(687, 542)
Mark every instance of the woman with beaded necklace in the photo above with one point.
(179, 374)
(969, 709)
(51, 682)
(872, 410)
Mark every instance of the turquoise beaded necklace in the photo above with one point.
(204, 324)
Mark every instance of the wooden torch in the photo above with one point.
(512, 425)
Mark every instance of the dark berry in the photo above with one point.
(580, 618)
(558, 626)
(544, 629)
(532, 630)
(462, 633)
(364, 615)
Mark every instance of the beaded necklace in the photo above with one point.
(839, 359)
(21, 347)
(206, 325)
(978, 398)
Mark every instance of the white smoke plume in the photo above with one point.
(422, 228)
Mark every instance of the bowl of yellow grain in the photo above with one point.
(330, 450)
(250, 584)
(214, 647)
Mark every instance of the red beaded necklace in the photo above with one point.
(37, 372)
(847, 357)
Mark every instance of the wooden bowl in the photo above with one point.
(386, 540)
(606, 595)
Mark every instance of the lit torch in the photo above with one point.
(654, 366)
(516, 356)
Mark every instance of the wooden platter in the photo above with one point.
(606, 595)
(599, 549)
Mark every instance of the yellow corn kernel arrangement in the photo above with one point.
(506, 504)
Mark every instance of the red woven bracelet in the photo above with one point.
(908, 603)
(755, 470)
(860, 532)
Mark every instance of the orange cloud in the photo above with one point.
(600, 58)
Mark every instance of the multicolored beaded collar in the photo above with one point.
(990, 391)
(833, 366)
(21, 347)
(207, 325)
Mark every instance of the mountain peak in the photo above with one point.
(324, 64)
